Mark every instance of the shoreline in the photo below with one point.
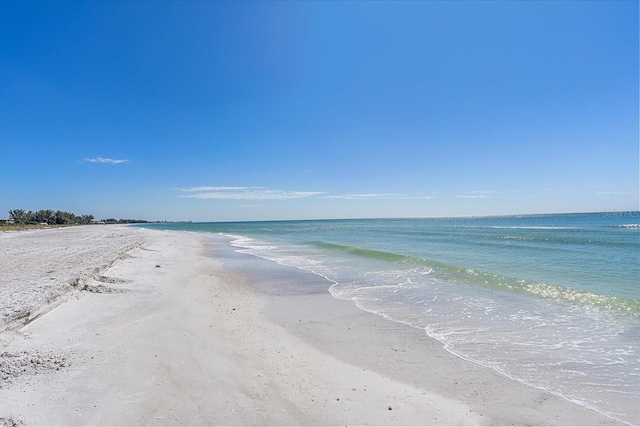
(195, 333)
(411, 348)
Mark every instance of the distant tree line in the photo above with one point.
(48, 216)
(123, 221)
(51, 217)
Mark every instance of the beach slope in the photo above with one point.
(164, 334)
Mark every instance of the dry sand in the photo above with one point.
(40, 267)
(179, 337)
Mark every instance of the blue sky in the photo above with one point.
(211, 111)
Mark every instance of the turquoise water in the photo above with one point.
(549, 300)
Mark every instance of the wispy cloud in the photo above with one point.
(376, 196)
(101, 159)
(619, 193)
(478, 194)
(198, 189)
(263, 193)
(245, 193)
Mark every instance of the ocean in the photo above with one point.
(552, 301)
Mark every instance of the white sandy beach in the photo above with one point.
(165, 335)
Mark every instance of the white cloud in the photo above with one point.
(245, 193)
(198, 189)
(619, 193)
(101, 159)
(474, 196)
(263, 193)
(478, 194)
(376, 196)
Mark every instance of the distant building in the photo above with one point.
(6, 221)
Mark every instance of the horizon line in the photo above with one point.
(636, 212)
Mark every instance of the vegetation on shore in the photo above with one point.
(19, 219)
(48, 217)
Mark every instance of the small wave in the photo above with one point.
(371, 253)
(248, 243)
(447, 272)
(499, 282)
(585, 298)
(636, 226)
(530, 227)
